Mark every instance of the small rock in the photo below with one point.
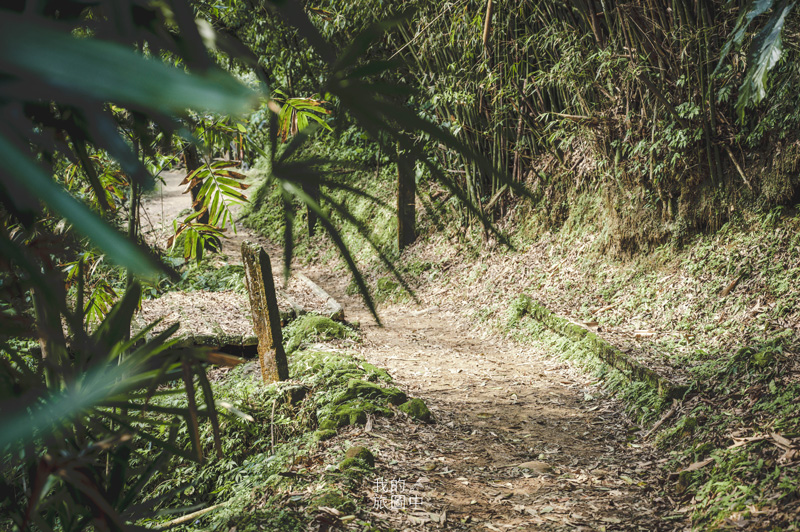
(540, 468)
(324, 434)
(416, 409)
(357, 455)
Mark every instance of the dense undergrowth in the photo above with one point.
(277, 463)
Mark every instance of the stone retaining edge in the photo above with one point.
(609, 354)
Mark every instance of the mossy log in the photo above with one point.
(611, 355)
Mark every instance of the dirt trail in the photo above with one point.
(498, 405)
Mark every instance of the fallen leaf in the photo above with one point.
(740, 442)
(781, 441)
(698, 465)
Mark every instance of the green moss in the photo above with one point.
(352, 463)
(375, 373)
(358, 454)
(333, 500)
(517, 309)
(763, 358)
(353, 412)
(417, 409)
(328, 425)
(324, 434)
(357, 388)
(313, 326)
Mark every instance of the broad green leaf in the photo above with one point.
(765, 52)
(109, 72)
(753, 9)
(22, 424)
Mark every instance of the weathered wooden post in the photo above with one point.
(264, 308)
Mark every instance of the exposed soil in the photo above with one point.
(202, 312)
(497, 405)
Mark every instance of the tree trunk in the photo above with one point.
(406, 199)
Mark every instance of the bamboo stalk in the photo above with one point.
(190, 517)
(487, 22)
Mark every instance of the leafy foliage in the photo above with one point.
(217, 190)
(296, 113)
(69, 422)
(77, 91)
(765, 50)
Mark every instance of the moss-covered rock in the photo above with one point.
(356, 456)
(328, 425)
(359, 389)
(311, 326)
(763, 358)
(324, 434)
(324, 367)
(352, 412)
(417, 409)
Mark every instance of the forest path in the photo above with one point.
(497, 404)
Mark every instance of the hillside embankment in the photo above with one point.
(719, 314)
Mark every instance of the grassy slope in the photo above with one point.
(281, 457)
(721, 312)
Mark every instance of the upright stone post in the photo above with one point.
(264, 308)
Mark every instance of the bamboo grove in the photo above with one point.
(636, 100)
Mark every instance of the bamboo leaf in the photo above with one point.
(20, 171)
(109, 72)
(765, 52)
